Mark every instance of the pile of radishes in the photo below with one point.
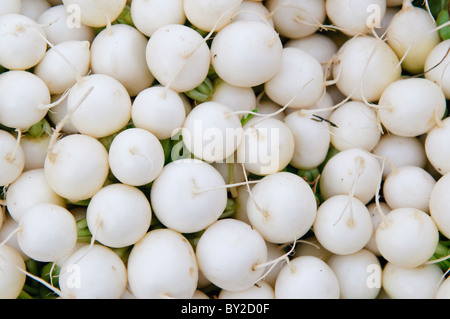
(223, 149)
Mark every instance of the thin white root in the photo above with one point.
(42, 281)
(10, 235)
(203, 190)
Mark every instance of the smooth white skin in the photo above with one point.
(282, 207)
(22, 42)
(267, 146)
(376, 218)
(299, 82)
(47, 232)
(63, 64)
(423, 96)
(228, 253)
(58, 112)
(211, 15)
(10, 6)
(136, 157)
(236, 98)
(359, 274)
(357, 126)
(355, 17)
(158, 110)
(34, 8)
(408, 186)
(241, 202)
(297, 19)
(61, 24)
(9, 231)
(93, 272)
(411, 32)
(260, 290)
(407, 237)
(443, 291)
(436, 146)
(29, 189)
(352, 171)
(439, 205)
(271, 272)
(419, 282)
(18, 110)
(253, 10)
(178, 57)
(35, 150)
(96, 13)
(246, 53)
(307, 277)
(195, 206)
(119, 215)
(343, 225)
(149, 15)
(119, 51)
(400, 151)
(381, 28)
(106, 110)
(436, 66)
(212, 132)
(12, 280)
(77, 167)
(267, 106)
(12, 158)
(358, 60)
(162, 265)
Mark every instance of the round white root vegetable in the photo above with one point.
(356, 18)
(47, 232)
(35, 150)
(188, 195)
(12, 158)
(76, 167)
(260, 290)
(210, 15)
(148, 16)
(212, 132)
(106, 110)
(357, 60)
(297, 19)
(412, 34)
(118, 215)
(136, 157)
(162, 265)
(282, 207)
(58, 113)
(408, 186)
(253, 10)
(63, 64)
(8, 234)
(22, 42)
(407, 237)
(236, 98)
(359, 274)
(267, 106)
(29, 189)
(96, 13)
(423, 96)
(158, 110)
(307, 277)
(436, 66)
(267, 146)
(299, 82)
(19, 110)
(228, 254)
(437, 148)
(93, 272)
(12, 279)
(356, 126)
(376, 218)
(11, 6)
(443, 291)
(246, 53)
(352, 171)
(419, 282)
(343, 225)
(34, 8)
(178, 57)
(439, 205)
(119, 51)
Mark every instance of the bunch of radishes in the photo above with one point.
(223, 149)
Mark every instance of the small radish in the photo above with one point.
(34, 8)
(260, 290)
(12, 158)
(439, 206)
(96, 13)
(12, 280)
(436, 66)
(11, 6)
(436, 146)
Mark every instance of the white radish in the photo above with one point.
(34, 8)
(436, 146)
(57, 114)
(96, 13)
(439, 205)
(436, 66)
(253, 10)
(407, 237)
(8, 232)
(18, 110)
(228, 254)
(267, 106)
(246, 53)
(93, 272)
(236, 98)
(35, 150)
(10, 6)
(307, 277)
(162, 265)
(12, 158)
(178, 57)
(115, 45)
(374, 210)
(343, 225)
(136, 157)
(282, 207)
(423, 96)
(260, 290)
(443, 291)
(200, 193)
(12, 280)
(76, 167)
